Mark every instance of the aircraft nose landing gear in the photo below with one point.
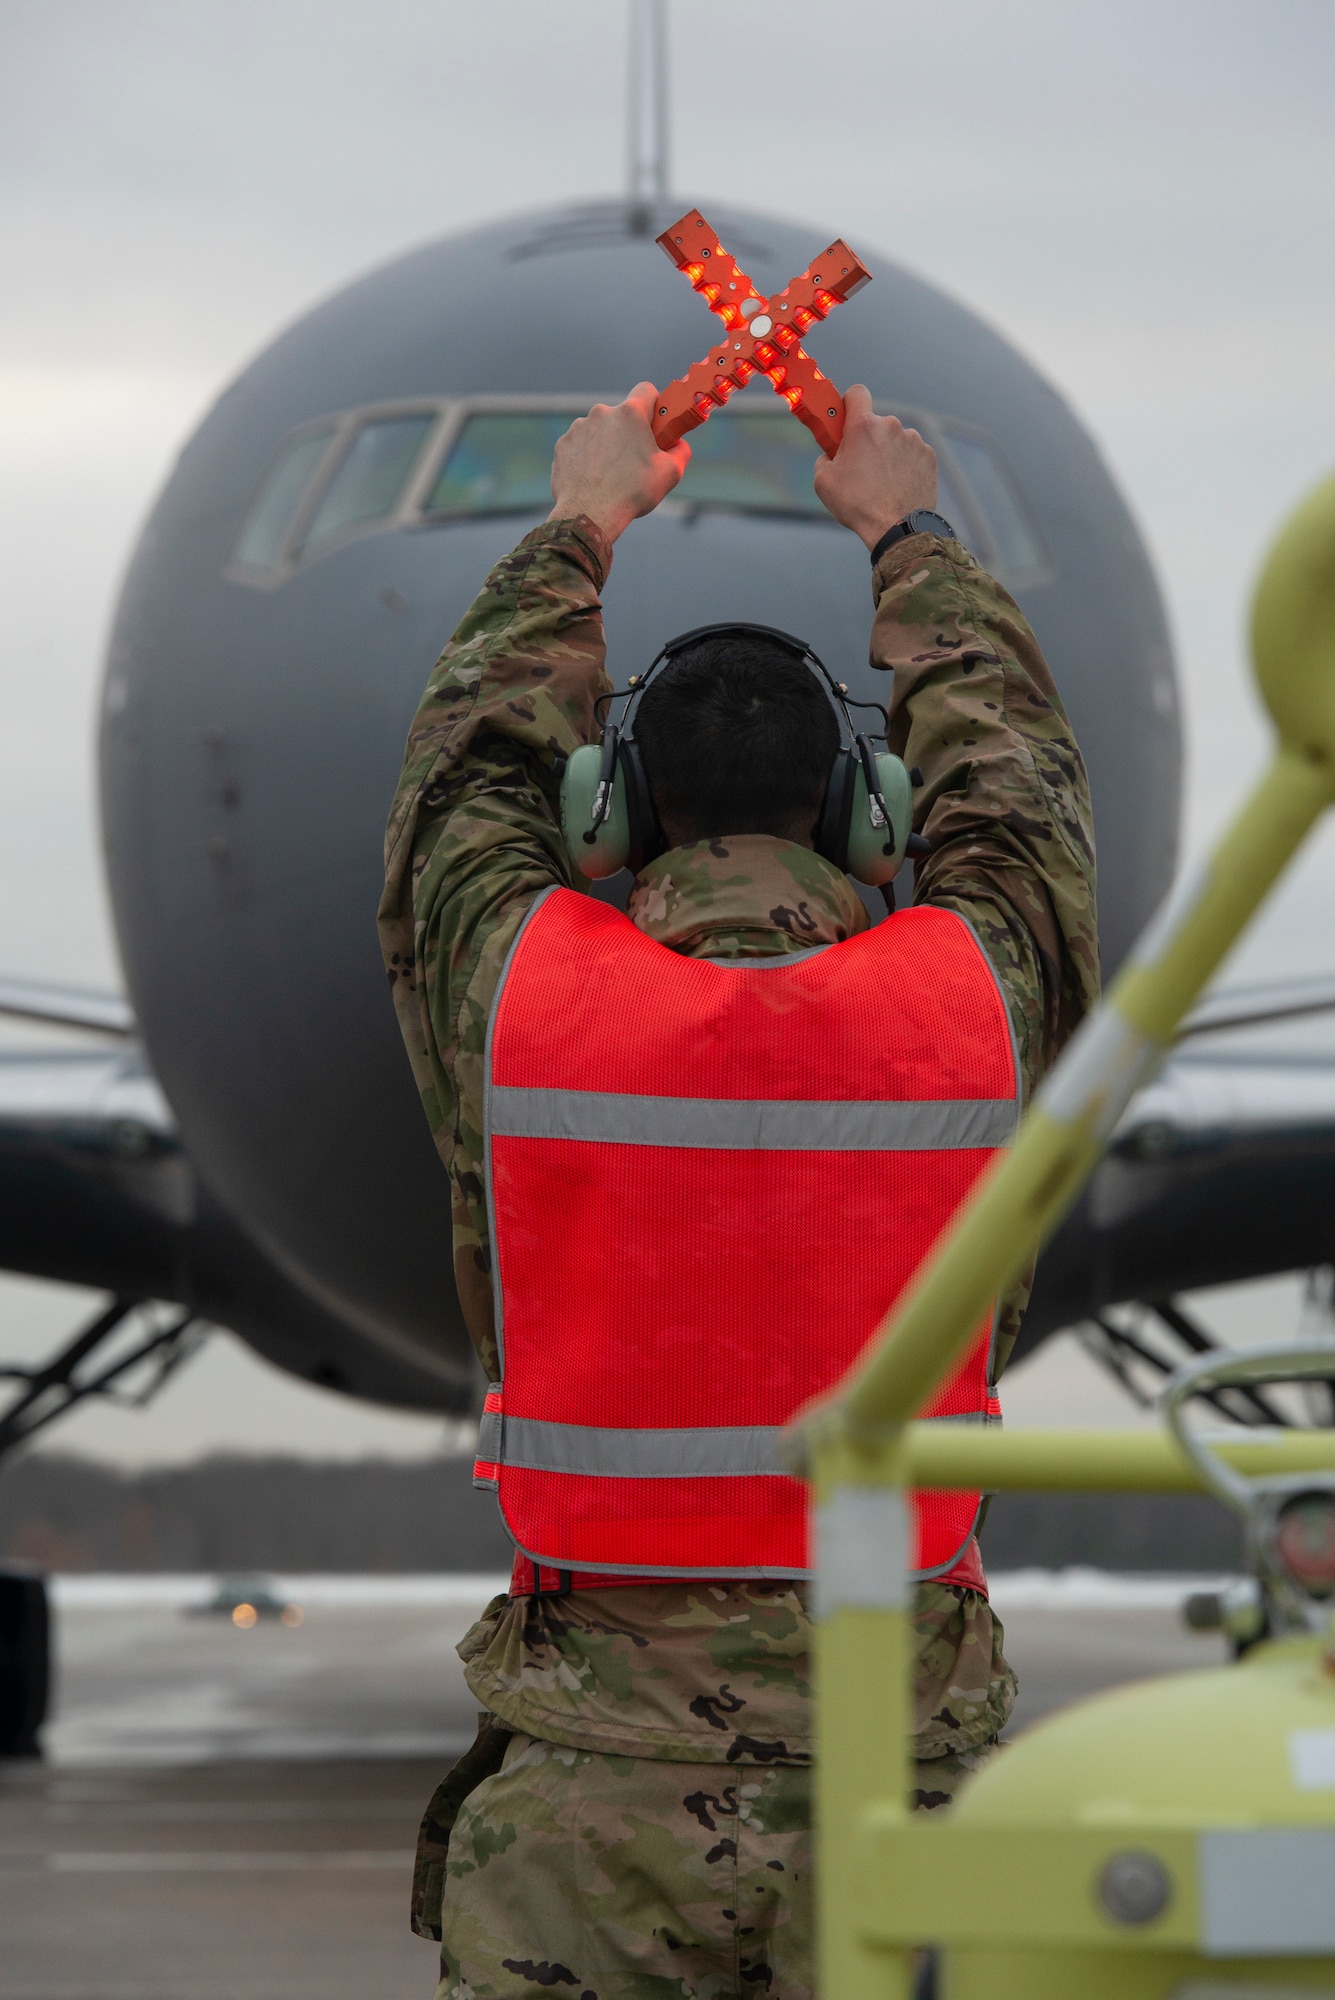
(25, 1661)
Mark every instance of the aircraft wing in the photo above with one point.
(1239, 1007)
(66, 1006)
(96, 1189)
(92, 1116)
(1222, 1169)
(94, 1179)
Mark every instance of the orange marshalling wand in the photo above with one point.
(763, 337)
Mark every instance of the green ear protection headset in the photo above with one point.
(866, 821)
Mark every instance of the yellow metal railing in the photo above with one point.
(859, 1449)
(1088, 1461)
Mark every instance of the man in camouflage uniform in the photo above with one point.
(633, 1821)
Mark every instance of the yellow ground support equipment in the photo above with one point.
(1176, 1839)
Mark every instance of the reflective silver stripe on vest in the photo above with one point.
(725, 1451)
(747, 1124)
(489, 1436)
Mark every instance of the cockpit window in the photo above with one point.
(759, 462)
(370, 477)
(501, 463)
(264, 533)
(754, 461)
(1015, 550)
(377, 467)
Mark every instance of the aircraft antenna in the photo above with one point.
(647, 121)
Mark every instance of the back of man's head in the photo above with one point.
(737, 736)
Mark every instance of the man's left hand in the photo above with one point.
(608, 464)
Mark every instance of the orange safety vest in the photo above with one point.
(708, 1181)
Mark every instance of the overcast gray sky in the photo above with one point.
(1141, 197)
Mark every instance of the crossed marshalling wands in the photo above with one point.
(764, 335)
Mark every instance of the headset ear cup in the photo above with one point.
(831, 840)
(645, 837)
(609, 847)
(867, 859)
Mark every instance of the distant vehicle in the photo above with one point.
(247, 1599)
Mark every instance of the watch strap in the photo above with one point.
(901, 529)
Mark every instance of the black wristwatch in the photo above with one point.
(921, 522)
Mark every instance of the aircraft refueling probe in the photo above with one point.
(1173, 1831)
(763, 334)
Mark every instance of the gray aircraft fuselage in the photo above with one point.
(251, 736)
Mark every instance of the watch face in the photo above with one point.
(924, 522)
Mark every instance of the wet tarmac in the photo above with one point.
(249, 1881)
(1077, 1633)
(147, 1674)
(229, 1814)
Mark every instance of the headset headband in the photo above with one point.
(607, 805)
(617, 742)
(685, 639)
(801, 649)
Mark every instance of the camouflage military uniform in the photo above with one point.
(636, 1807)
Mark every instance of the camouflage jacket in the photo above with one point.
(679, 1671)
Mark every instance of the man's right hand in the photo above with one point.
(608, 464)
(880, 474)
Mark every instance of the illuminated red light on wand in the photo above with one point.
(764, 334)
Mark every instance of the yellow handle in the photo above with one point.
(1120, 1046)
(855, 1442)
(977, 1459)
(1116, 1051)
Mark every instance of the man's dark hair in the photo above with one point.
(737, 736)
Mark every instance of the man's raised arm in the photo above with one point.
(474, 832)
(1004, 799)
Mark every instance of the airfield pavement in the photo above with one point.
(229, 1814)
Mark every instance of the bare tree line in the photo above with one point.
(376, 1515)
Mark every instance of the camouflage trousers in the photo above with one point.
(628, 1878)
